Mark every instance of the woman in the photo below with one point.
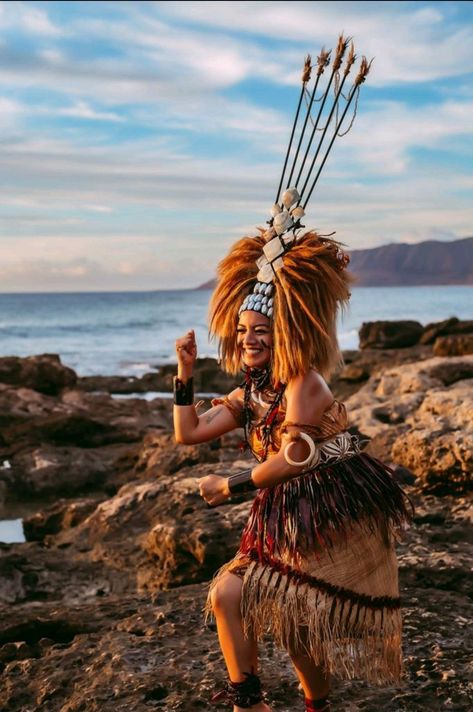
(316, 566)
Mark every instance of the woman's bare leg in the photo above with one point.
(315, 682)
(240, 652)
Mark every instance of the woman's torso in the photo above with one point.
(333, 421)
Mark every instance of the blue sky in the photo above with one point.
(139, 140)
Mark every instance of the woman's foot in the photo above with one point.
(259, 707)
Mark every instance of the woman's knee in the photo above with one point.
(226, 594)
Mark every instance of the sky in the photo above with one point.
(140, 140)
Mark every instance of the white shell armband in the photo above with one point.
(309, 457)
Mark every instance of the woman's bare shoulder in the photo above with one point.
(309, 388)
(310, 383)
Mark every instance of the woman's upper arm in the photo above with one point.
(224, 416)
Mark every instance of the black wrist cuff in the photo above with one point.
(183, 392)
(241, 482)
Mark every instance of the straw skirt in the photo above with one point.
(319, 570)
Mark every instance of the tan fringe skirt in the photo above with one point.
(339, 605)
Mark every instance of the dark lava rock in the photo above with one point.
(445, 328)
(159, 455)
(208, 378)
(458, 345)
(61, 515)
(44, 373)
(389, 334)
(119, 652)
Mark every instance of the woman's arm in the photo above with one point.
(189, 428)
(307, 398)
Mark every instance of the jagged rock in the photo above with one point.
(453, 345)
(159, 455)
(389, 334)
(353, 373)
(61, 515)
(73, 442)
(421, 414)
(445, 328)
(208, 378)
(44, 373)
(48, 469)
(162, 530)
(111, 652)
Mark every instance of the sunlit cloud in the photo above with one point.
(132, 128)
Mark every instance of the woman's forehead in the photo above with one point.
(253, 318)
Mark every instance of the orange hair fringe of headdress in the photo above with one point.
(309, 290)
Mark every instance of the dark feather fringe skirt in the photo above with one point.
(319, 568)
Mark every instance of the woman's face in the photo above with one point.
(254, 339)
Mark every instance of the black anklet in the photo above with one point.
(244, 694)
(322, 704)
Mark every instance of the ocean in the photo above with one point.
(130, 333)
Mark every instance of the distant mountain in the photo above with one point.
(430, 262)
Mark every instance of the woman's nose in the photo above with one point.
(249, 339)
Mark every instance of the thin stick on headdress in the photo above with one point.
(339, 54)
(322, 61)
(360, 78)
(305, 78)
(350, 61)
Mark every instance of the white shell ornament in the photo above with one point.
(282, 222)
(273, 249)
(298, 213)
(289, 197)
(275, 210)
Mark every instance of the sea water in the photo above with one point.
(129, 333)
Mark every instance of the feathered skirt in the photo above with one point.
(319, 568)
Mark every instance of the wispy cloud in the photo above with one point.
(28, 18)
(132, 127)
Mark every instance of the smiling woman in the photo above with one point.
(316, 566)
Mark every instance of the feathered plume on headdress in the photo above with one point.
(309, 283)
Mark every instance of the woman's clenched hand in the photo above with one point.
(186, 352)
(214, 489)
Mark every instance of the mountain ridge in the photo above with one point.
(431, 262)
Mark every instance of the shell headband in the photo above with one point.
(323, 119)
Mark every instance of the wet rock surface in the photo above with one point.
(101, 609)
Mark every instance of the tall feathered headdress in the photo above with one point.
(297, 280)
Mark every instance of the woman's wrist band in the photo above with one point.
(241, 482)
(183, 392)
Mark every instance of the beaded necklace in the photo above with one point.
(258, 379)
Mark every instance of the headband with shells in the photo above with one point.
(286, 218)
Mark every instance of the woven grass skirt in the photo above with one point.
(330, 592)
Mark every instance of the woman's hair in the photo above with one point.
(309, 289)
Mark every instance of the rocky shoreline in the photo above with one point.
(101, 606)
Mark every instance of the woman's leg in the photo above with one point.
(240, 652)
(315, 682)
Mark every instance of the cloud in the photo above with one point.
(194, 102)
(28, 18)
(82, 110)
(410, 45)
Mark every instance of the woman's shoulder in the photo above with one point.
(310, 385)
